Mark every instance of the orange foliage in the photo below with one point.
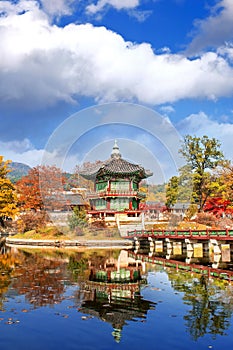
(41, 188)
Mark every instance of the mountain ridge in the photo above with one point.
(17, 171)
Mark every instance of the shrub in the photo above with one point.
(207, 219)
(77, 219)
(32, 220)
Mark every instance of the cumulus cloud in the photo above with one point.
(215, 30)
(117, 4)
(17, 146)
(42, 64)
(22, 152)
(201, 124)
(226, 51)
(58, 8)
(167, 109)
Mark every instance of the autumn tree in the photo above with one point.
(225, 174)
(41, 188)
(203, 155)
(8, 198)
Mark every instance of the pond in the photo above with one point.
(110, 299)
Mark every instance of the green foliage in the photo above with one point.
(203, 155)
(209, 309)
(201, 152)
(172, 191)
(77, 267)
(154, 193)
(78, 219)
(179, 188)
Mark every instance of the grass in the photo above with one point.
(52, 233)
(183, 225)
(87, 233)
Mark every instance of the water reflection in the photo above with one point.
(112, 291)
(110, 285)
(208, 292)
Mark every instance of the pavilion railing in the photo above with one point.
(116, 193)
(200, 234)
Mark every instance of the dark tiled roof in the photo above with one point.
(120, 166)
(117, 166)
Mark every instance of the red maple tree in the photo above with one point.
(41, 188)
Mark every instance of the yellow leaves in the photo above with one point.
(8, 197)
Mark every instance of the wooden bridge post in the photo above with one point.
(189, 248)
(214, 244)
(168, 248)
(216, 251)
(136, 244)
(152, 246)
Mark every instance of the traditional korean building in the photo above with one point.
(116, 186)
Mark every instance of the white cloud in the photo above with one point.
(227, 51)
(17, 146)
(200, 124)
(215, 30)
(22, 152)
(167, 109)
(117, 4)
(58, 7)
(41, 64)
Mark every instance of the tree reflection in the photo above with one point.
(5, 277)
(8, 261)
(40, 279)
(210, 310)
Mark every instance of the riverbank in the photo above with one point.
(82, 243)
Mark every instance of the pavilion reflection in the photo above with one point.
(112, 292)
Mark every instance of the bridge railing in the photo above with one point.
(181, 233)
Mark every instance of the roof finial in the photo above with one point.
(115, 151)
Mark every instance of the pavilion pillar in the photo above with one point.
(130, 204)
(130, 185)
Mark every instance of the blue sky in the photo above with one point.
(63, 60)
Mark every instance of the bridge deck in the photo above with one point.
(182, 234)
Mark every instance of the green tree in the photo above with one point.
(203, 155)
(78, 219)
(8, 198)
(179, 188)
(172, 191)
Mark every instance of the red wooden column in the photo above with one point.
(130, 204)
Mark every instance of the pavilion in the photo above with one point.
(116, 187)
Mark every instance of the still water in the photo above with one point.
(109, 299)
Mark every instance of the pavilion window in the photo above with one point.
(122, 186)
(100, 204)
(101, 186)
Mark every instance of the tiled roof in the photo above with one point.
(116, 166)
(119, 166)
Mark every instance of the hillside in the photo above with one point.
(18, 170)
